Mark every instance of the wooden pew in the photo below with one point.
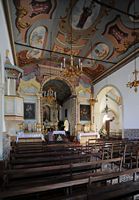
(116, 190)
(2, 167)
(109, 191)
(76, 178)
(75, 170)
(42, 154)
(26, 148)
(47, 161)
(130, 154)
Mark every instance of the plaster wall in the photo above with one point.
(71, 114)
(130, 98)
(4, 45)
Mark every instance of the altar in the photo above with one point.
(56, 136)
(27, 137)
(59, 133)
(83, 137)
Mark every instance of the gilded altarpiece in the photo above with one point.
(49, 114)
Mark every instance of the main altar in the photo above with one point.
(49, 110)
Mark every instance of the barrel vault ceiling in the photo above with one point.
(102, 33)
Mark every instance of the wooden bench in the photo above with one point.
(77, 179)
(44, 147)
(47, 161)
(75, 170)
(115, 190)
(109, 191)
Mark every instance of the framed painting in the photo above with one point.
(29, 110)
(85, 113)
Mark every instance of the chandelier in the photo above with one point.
(70, 69)
(135, 82)
(49, 96)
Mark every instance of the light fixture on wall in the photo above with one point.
(106, 109)
(135, 82)
(71, 68)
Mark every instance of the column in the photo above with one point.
(38, 108)
(92, 103)
(77, 111)
(38, 125)
(8, 86)
(73, 115)
(2, 120)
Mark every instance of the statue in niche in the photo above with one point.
(55, 115)
(46, 114)
(50, 115)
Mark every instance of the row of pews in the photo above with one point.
(37, 170)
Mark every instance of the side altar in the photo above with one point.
(84, 137)
(29, 137)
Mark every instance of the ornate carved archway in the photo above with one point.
(65, 88)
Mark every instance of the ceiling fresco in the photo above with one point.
(102, 33)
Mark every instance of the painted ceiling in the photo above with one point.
(103, 34)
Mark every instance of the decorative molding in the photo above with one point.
(30, 87)
(13, 118)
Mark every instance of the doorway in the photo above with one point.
(108, 112)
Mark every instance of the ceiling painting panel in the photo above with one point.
(101, 33)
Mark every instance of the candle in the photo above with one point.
(79, 62)
(61, 66)
(81, 66)
(64, 62)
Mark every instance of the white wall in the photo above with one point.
(130, 98)
(67, 105)
(4, 45)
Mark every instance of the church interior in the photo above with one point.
(69, 95)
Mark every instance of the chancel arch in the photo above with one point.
(108, 112)
(57, 99)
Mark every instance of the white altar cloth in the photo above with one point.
(59, 132)
(81, 136)
(22, 135)
(89, 134)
